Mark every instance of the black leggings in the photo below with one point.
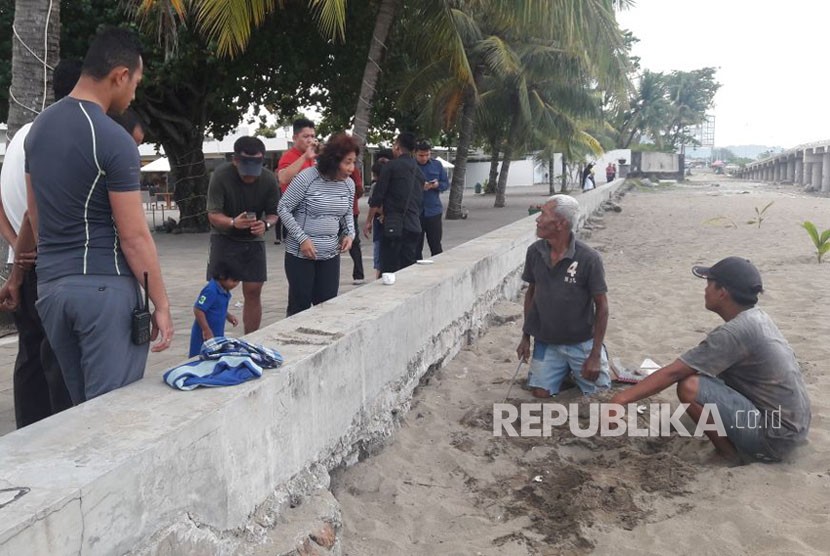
(310, 282)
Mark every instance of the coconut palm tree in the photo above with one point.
(35, 52)
(586, 29)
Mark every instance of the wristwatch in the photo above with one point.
(267, 225)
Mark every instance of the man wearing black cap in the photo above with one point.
(743, 368)
(242, 205)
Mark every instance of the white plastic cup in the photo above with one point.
(388, 278)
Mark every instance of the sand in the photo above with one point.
(446, 485)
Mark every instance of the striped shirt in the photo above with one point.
(76, 157)
(319, 209)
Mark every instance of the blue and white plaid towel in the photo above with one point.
(223, 362)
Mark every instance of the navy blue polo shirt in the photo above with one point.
(563, 309)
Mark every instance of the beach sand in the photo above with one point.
(445, 484)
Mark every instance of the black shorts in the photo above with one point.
(245, 259)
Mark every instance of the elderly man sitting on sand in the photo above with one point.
(743, 368)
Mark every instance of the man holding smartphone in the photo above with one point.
(242, 205)
(431, 213)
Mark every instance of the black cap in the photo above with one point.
(737, 275)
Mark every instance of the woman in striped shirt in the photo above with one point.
(316, 209)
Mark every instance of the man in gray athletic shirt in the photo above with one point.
(93, 241)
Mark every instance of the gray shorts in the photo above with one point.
(744, 423)
(88, 320)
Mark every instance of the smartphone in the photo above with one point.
(251, 215)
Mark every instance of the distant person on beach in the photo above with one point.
(588, 181)
(242, 206)
(610, 172)
(565, 306)
(317, 210)
(210, 311)
(744, 367)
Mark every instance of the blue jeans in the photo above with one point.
(552, 363)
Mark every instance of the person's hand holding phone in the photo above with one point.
(258, 228)
(243, 222)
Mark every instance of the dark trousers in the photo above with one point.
(356, 255)
(431, 228)
(310, 282)
(398, 253)
(39, 388)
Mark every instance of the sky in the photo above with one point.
(775, 83)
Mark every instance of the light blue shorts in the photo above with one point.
(552, 363)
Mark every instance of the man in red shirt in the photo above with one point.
(300, 156)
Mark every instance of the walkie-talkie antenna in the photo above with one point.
(146, 292)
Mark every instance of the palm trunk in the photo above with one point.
(505, 170)
(465, 139)
(564, 188)
(551, 184)
(512, 141)
(377, 49)
(31, 86)
(494, 168)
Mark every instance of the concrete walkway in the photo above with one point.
(183, 259)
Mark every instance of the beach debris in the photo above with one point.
(647, 367)
(537, 479)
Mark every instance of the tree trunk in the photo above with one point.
(465, 139)
(512, 141)
(35, 21)
(163, 113)
(551, 183)
(377, 49)
(564, 188)
(505, 170)
(188, 181)
(494, 169)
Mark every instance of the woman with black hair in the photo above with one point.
(316, 209)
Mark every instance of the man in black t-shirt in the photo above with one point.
(566, 306)
(399, 192)
(242, 205)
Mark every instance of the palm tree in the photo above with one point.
(584, 28)
(231, 22)
(35, 53)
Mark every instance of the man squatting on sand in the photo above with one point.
(743, 366)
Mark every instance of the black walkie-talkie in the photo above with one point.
(141, 317)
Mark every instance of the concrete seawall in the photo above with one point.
(107, 476)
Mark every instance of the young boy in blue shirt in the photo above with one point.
(211, 308)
